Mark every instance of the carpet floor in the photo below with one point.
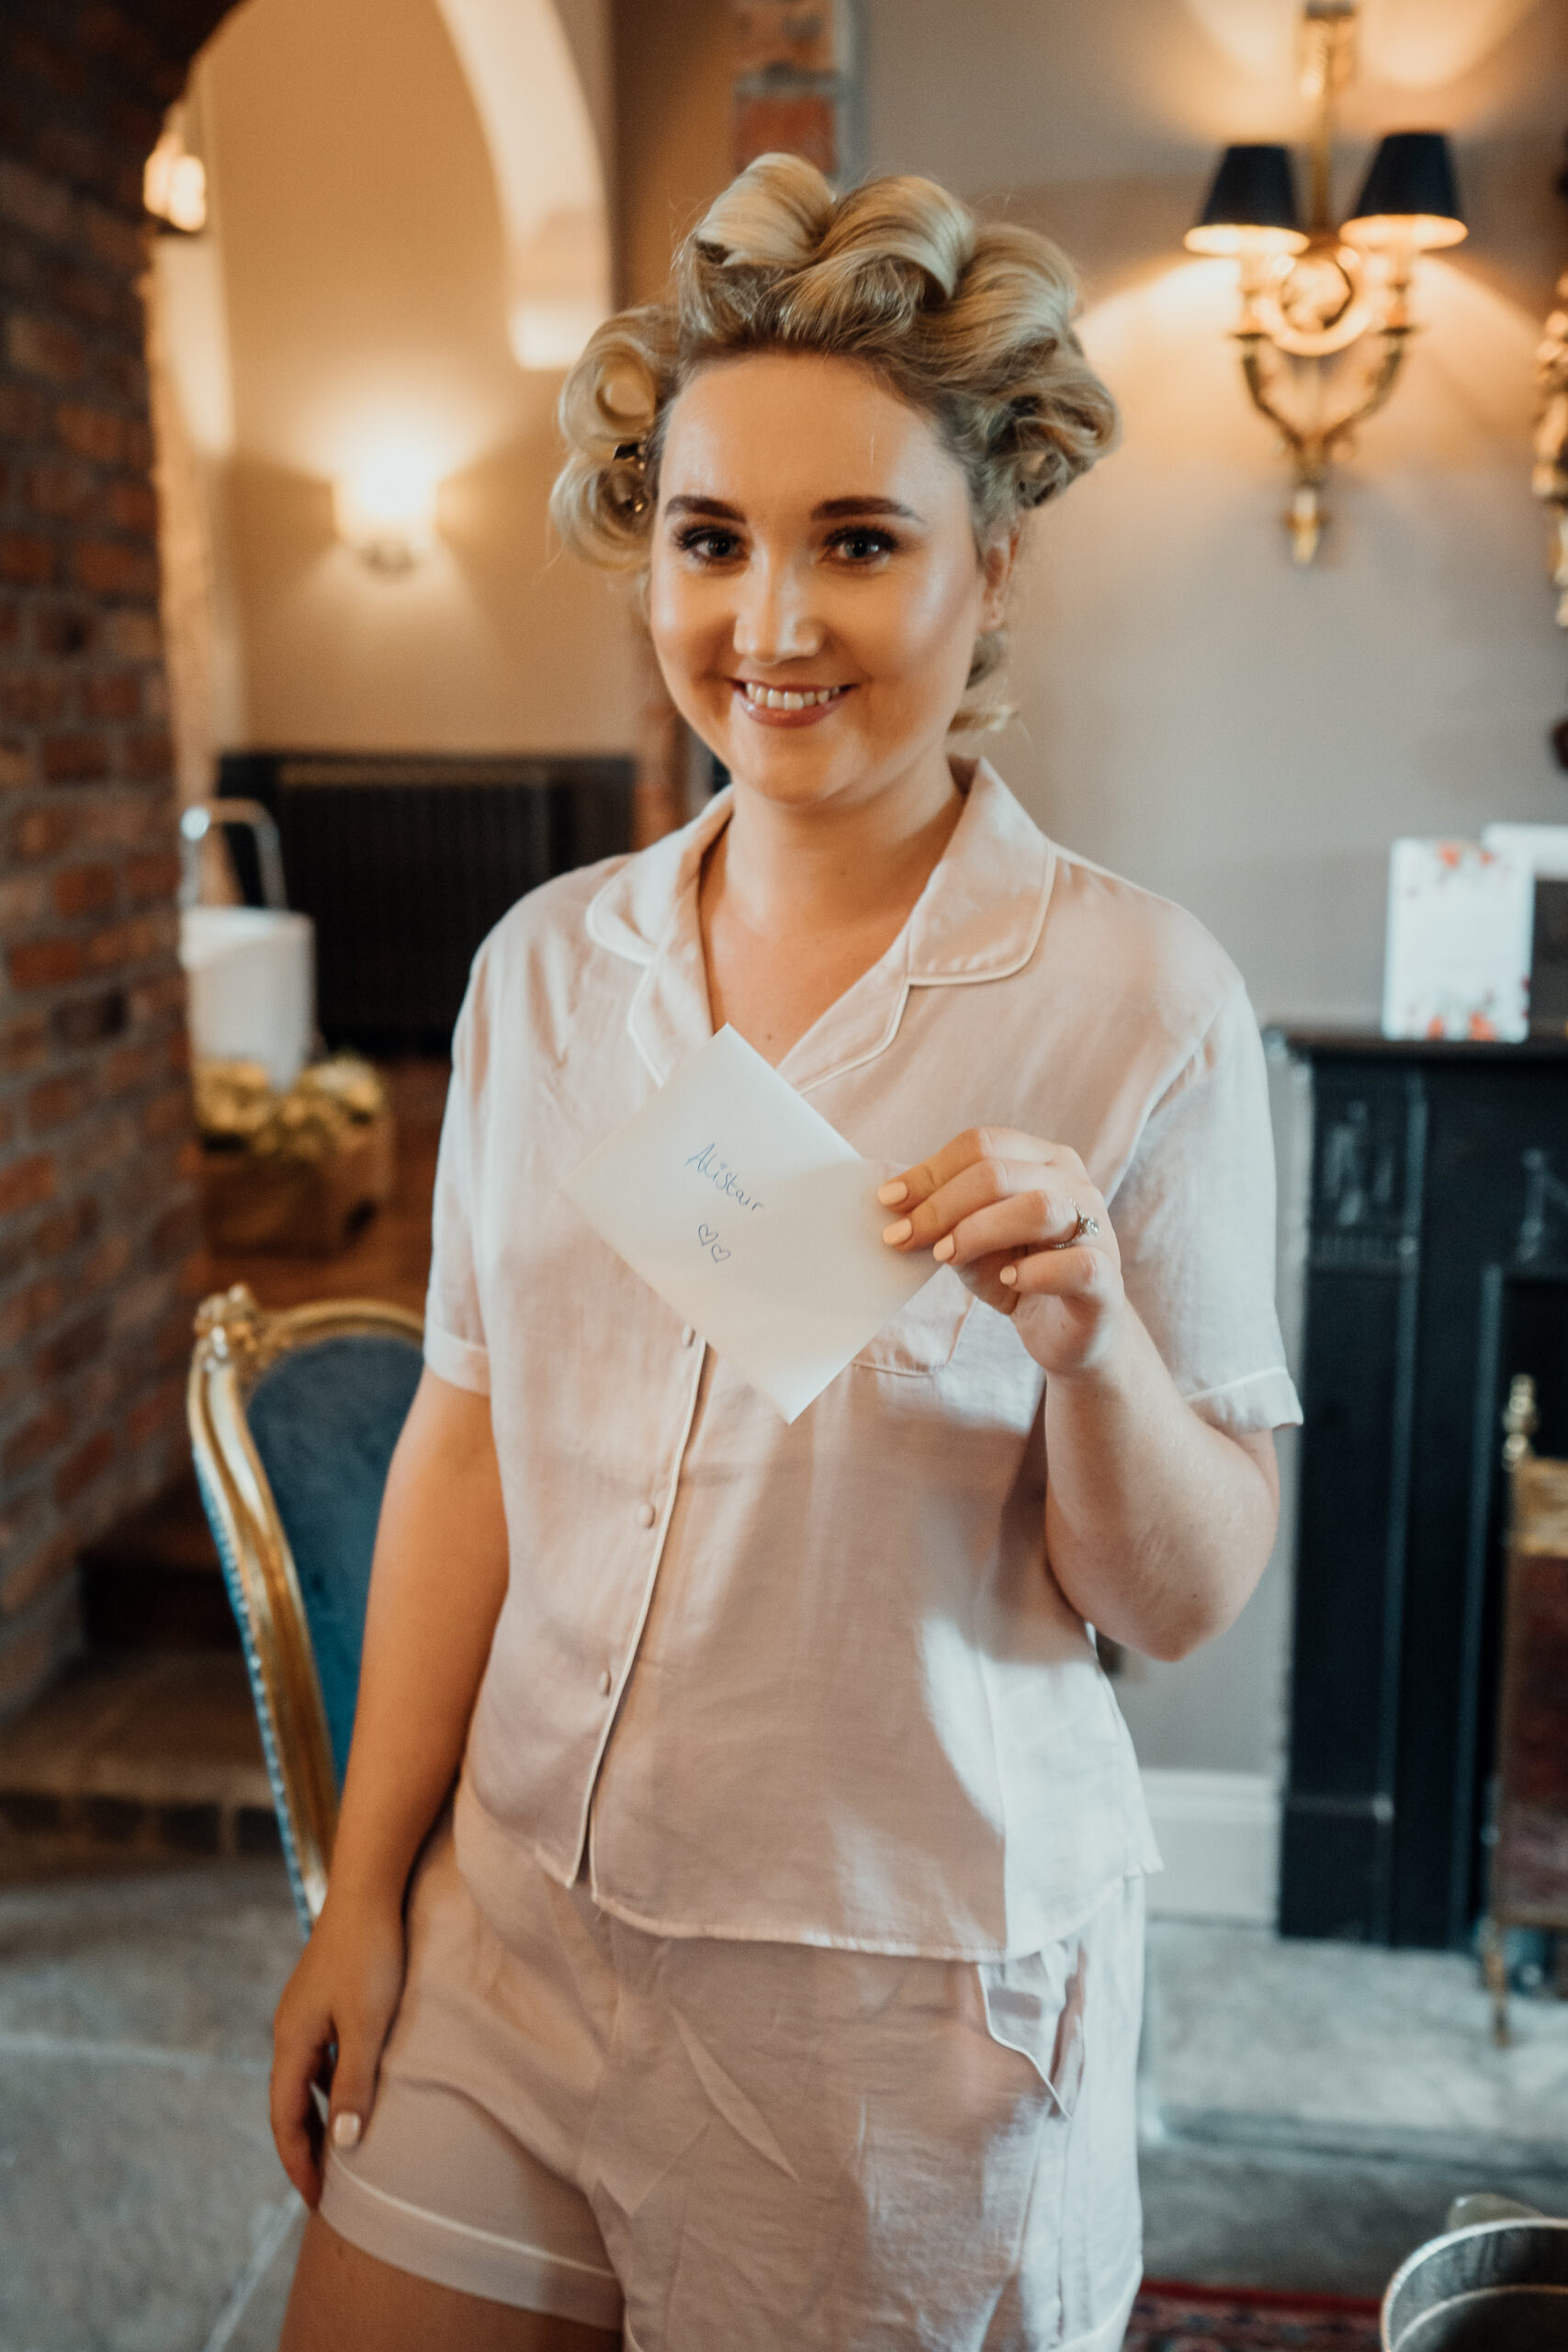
(1173, 2318)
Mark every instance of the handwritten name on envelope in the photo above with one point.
(753, 1219)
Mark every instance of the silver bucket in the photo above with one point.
(1492, 2286)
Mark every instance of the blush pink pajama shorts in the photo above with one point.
(711, 2145)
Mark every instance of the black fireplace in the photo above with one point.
(1436, 1268)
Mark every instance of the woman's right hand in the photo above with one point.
(343, 1994)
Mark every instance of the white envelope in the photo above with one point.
(753, 1219)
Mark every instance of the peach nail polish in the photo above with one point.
(890, 1195)
(1009, 1274)
(346, 2129)
(899, 1232)
(945, 1248)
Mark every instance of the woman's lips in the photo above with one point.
(787, 705)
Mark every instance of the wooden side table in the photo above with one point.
(1528, 1882)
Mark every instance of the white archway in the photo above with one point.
(548, 173)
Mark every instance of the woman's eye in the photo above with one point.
(862, 545)
(708, 544)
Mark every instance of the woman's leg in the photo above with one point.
(347, 2300)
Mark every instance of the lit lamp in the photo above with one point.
(173, 182)
(1309, 294)
(385, 509)
(1409, 198)
(1251, 206)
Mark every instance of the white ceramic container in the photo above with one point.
(253, 986)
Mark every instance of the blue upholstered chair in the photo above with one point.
(293, 1420)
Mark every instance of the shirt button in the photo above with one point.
(688, 1337)
(646, 1514)
(605, 1683)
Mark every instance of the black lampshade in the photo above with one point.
(1410, 196)
(1253, 190)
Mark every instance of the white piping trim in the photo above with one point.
(547, 2256)
(946, 980)
(912, 979)
(1073, 1918)
(613, 946)
(1226, 1387)
(612, 1717)
(1000, 971)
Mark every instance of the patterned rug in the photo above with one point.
(1167, 2317)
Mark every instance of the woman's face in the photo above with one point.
(815, 592)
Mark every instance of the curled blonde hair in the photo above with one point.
(970, 324)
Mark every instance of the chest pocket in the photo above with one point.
(922, 1337)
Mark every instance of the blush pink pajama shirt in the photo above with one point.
(776, 1979)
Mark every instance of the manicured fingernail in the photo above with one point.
(945, 1248)
(1009, 1274)
(346, 2129)
(899, 1232)
(891, 1194)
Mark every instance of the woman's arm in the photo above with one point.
(436, 1591)
(1157, 1526)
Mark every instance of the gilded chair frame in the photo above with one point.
(236, 1341)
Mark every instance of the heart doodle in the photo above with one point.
(708, 1236)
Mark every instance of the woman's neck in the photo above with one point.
(786, 873)
(796, 904)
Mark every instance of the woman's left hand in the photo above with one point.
(1024, 1226)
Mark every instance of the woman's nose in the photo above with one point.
(774, 619)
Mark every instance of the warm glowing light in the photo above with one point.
(1430, 44)
(1415, 44)
(550, 335)
(173, 185)
(1413, 232)
(385, 506)
(1230, 239)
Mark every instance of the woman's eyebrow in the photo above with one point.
(831, 509)
(705, 506)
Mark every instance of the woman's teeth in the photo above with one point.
(788, 698)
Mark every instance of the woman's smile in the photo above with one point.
(787, 706)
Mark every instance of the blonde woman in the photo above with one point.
(773, 1980)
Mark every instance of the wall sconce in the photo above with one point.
(1550, 479)
(385, 509)
(1309, 294)
(173, 181)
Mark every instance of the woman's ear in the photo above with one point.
(996, 567)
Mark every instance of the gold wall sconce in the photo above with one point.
(1311, 293)
(1550, 479)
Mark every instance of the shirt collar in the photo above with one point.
(979, 918)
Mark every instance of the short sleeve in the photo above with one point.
(1194, 1219)
(454, 1321)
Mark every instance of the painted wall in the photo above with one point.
(367, 282)
(672, 135)
(1192, 710)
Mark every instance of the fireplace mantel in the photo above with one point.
(1436, 1267)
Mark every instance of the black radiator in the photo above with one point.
(404, 861)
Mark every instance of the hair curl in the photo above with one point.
(969, 322)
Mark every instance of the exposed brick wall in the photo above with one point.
(98, 1221)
